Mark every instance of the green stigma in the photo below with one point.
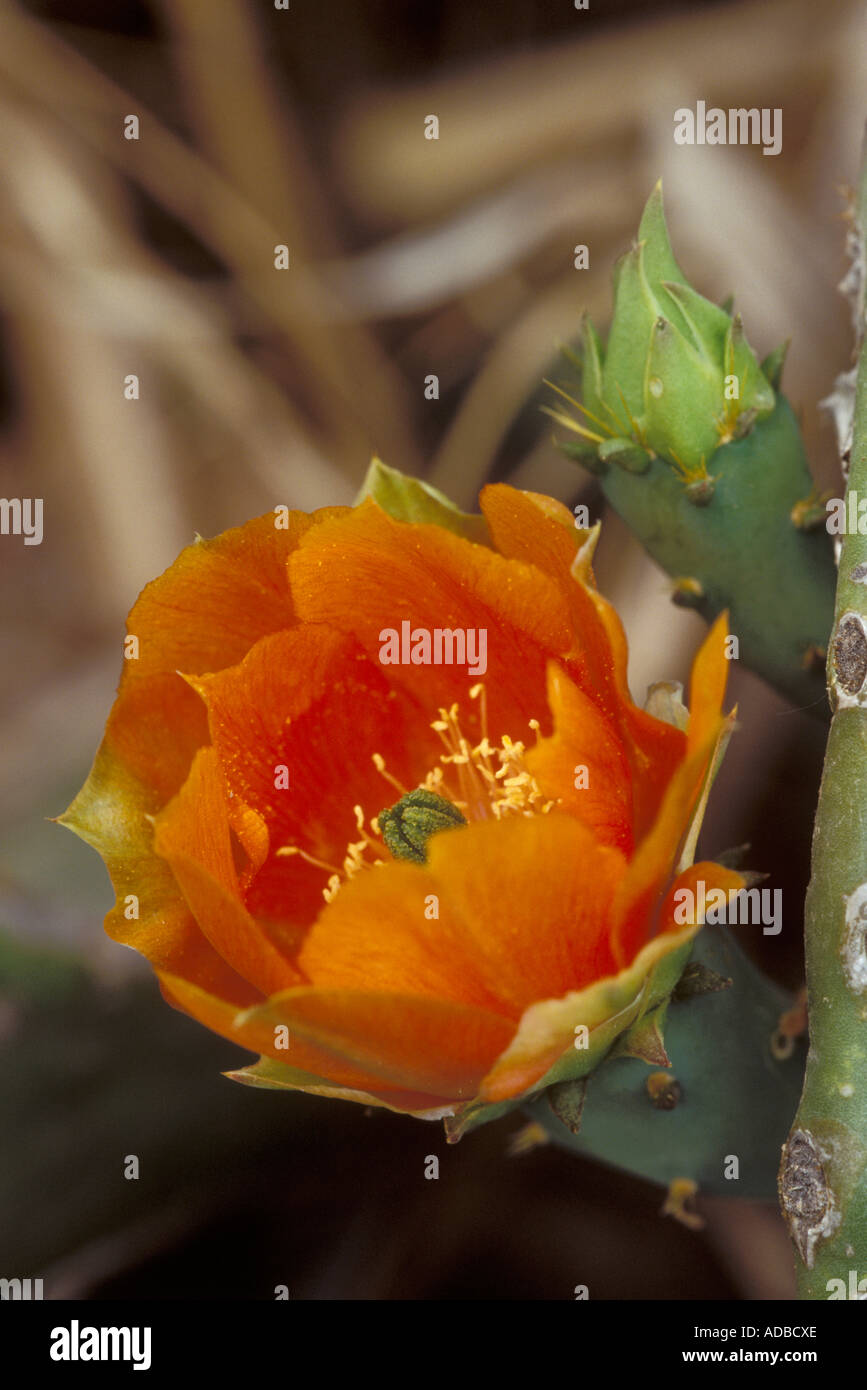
(407, 826)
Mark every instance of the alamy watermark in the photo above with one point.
(439, 646)
(740, 125)
(77, 1343)
(20, 1290)
(846, 516)
(739, 906)
(22, 516)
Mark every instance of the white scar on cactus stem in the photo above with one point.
(855, 945)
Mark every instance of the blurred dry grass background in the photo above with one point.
(408, 257)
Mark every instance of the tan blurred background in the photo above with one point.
(408, 257)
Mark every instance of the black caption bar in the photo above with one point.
(153, 1339)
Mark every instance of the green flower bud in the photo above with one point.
(701, 455)
(678, 377)
(407, 826)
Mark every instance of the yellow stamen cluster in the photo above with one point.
(492, 782)
(486, 790)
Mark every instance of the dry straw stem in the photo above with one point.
(823, 1174)
(595, 92)
(86, 303)
(356, 394)
(565, 113)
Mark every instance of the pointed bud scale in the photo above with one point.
(696, 980)
(744, 423)
(624, 454)
(566, 1099)
(734, 857)
(815, 658)
(754, 390)
(635, 312)
(585, 454)
(659, 257)
(644, 1040)
(683, 395)
(591, 378)
(665, 701)
(708, 323)
(810, 513)
(772, 366)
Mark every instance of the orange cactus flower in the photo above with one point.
(260, 731)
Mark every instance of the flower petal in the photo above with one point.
(584, 738)
(219, 597)
(193, 835)
(544, 1049)
(323, 1070)
(530, 527)
(636, 905)
(495, 942)
(419, 1043)
(711, 876)
(427, 576)
(277, 1076)
(136, 771)
(310, 701)
(707, 685)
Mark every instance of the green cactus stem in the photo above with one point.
(719, 1111)
(823, 1174)
(702, 457)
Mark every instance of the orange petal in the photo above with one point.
(546, 1032)
(310, 701)
(707, 689)
(136, 771)
(707, 686)
(433, 1046)
(530, 527)
(707, 873)
(637, 901)
(523, 915)
(536, 529)
(219, 597)
(585, 739)
(257, 1032)
(192, 834)
(524, 530)
(377, 934)
(431, 578)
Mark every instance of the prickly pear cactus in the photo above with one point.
(701, 455)
(718, 1110)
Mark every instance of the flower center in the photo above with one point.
(484, 781)
(407, 826)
